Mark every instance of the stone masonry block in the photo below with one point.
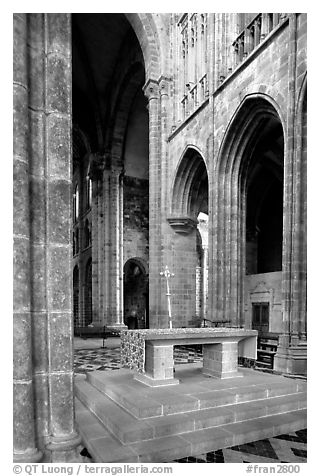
(36, 30)
(39, 342)
(59, 211)
(158, 372)
(38, 278)
(59, 84)
(41, 399)
(36, 74)
(20, 192)
(23, 431)
(168, 372)
(60, 337)
(21, 274)
(59, 140)
(22, 364)
(60, 288)
(20, 121)
(37, 209)
(37, 137)
(61, 403)
(59, 33)
(19, 49)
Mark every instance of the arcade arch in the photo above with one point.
(247, 256)
(188, 220)
(114, 55)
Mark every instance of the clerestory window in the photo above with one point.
(193, 62)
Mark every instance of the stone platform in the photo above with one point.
(122, 420)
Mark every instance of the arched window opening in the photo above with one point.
(189, 220)
(264, 220)
(76, 246)
(135, 295)
(87, 234)
(190, 190)
(193, 84)
(202, 268)
(76, 203)
(89, 192)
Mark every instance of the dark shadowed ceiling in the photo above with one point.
(99, 41)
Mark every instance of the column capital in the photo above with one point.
(97, 163)
(164, 85)
(116, 170)
(183, 224)
(151, 89)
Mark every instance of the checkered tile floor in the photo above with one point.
(86, 360)
(290, 448)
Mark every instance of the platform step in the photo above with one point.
(144, 402)
(121, 419)
(128, 428)
(105, 448)
(119, 422)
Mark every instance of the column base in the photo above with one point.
(32, 456)
(291, 360)
(65, 449)
(151, 382)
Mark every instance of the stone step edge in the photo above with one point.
(116, 435)
(89, 444)
(268, 433)
(221, 425)
(113, 397)
(245, 439)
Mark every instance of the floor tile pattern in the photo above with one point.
(290, 448)
(97, 359)
(86, 360)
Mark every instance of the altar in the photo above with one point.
(150, 351)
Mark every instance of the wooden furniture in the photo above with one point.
(266, 350)
(95, 331)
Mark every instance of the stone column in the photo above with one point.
(107, 247)
(291, 354)
(157, 315)
(264, 25)
(288, 189)
(204, 277)
(217, 67)
(116, 248)
(24, 434)
(165, 239)
(63, 438)
(96, 175)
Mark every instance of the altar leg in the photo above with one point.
(159, 365)
(221, 360)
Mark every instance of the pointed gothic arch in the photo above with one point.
(190, 185)
(240, 189)
(189, 197)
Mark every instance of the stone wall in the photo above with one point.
(265, 287)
